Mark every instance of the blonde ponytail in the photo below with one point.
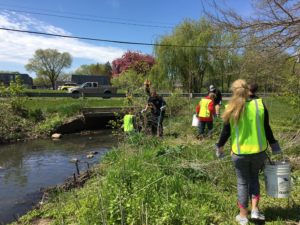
(237, 102)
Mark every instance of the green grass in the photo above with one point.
(43, 91)
(69, 105)
(175, 180)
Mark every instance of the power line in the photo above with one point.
(85, 15)
(88, 19)
(110, 41)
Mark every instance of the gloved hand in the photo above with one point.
(162, 108)
(144, 110)
(219, 152)
(275, 148)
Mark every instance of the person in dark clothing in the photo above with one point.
(157, 106)
(218, 98)
(246, 121)
(147, 84)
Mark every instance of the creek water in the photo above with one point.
(27, 167)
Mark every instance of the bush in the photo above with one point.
(36, 115)
(12, 126)
(176, 103)
(50, 124)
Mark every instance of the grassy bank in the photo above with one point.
(25, 118)
(174, 180)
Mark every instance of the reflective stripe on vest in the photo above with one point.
(204, 112)
(248, 136)
(128, 123)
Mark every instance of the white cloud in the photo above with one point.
(19, 47)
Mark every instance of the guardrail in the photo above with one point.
(102, 95)
(120, 95)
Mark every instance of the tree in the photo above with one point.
(189, 55)
(129, 80)
(138, 62)
(183, 64)
(41, 81)
(95, 69)
(50, 63)
(275, 24)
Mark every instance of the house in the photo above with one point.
(6, 78)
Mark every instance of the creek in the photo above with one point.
(27, 167)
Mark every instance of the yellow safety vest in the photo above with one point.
(248, 135)
(204, 112)
(128, 123)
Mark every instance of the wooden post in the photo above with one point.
(77, 168)
(74, 177)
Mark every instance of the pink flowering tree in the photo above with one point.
(140, 63)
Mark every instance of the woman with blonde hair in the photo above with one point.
(246, 121)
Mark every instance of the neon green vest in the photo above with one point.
(204, 112)
(128, 123)
(248, 136)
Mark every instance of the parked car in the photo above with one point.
(66, 86)
(93, 87)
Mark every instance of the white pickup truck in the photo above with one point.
(92, 87)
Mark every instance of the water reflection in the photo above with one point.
(27, 167)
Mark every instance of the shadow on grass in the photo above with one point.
(283, 213)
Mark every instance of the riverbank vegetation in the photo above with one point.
(174, 180)
(28, 118)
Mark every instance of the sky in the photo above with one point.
(118, 20)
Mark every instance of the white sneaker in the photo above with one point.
(255, 214)
(220, 155)
(241, 220)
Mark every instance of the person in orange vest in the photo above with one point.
(205, 112)
(246, 121)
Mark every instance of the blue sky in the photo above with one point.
(121, 20)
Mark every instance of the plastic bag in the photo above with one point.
(195, 121)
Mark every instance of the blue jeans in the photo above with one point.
(247, 168)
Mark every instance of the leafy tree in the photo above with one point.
(108, 69)
(95, 69)
(50, 63)
(129, 80)
(65, 77)
(14, 92)
(225, 62)
(138, 62)
(16, 89)
(41, 81)
(188, 55)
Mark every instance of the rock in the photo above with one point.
(93, 153)
(74, 160)
(56, 136)
(89, 156)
